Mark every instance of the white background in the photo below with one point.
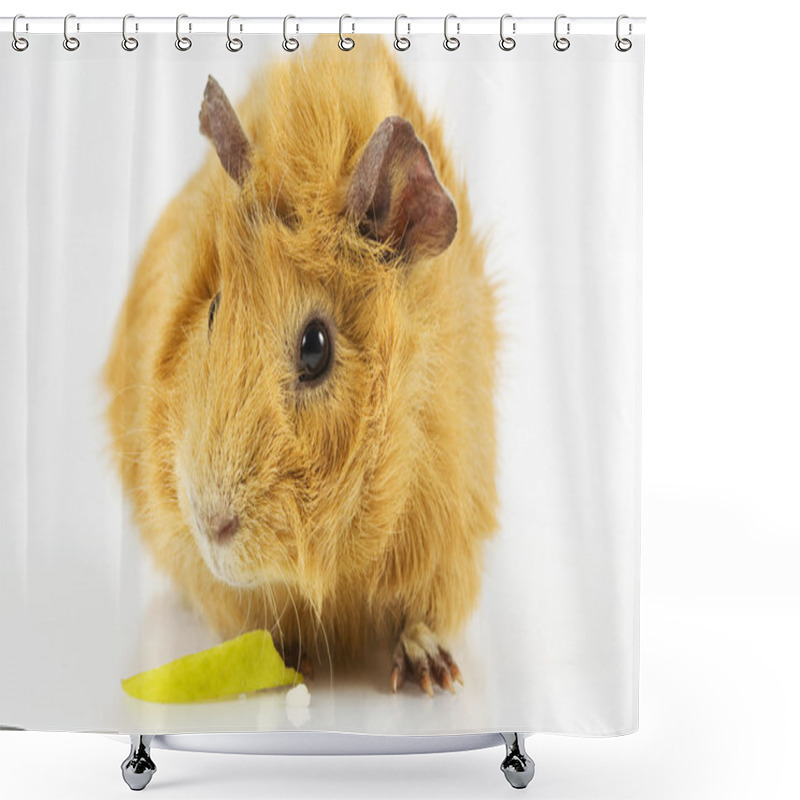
(721, 433)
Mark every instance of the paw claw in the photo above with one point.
(448, 684)
(455, 672)
(425, 683)
(419, 654)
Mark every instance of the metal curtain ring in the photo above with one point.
(19, 43)
(129, 43)
(289, 44)
(507, 42)
(561, 43)
(623, 45)
(71, 43)
(345, 42)
(183, 43)
(451, 42)
(401, 42)
(233, 44)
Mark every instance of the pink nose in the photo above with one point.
(226, 528)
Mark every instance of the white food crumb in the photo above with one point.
(298, 697)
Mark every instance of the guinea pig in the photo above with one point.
(302, 373)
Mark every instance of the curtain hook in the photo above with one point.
(345, 42)
(561, 43)
(401, 42)
(71, 43)
(183, 43)
(451, 42)
(289, 44)
(235, 44)
(623, 45)
(19, 43)
(507, 42)
(129, 43)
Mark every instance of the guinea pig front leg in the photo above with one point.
(418, 656)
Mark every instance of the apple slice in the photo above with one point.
(244, 664)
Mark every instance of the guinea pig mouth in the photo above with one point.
(221, 557)
(221, 536)
(224, 568)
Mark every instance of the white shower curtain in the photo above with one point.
(543, 165)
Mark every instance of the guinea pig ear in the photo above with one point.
(395, 196)
(218, 121)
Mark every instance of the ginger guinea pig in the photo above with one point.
(302, 372)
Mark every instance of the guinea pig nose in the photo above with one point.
(226, 528)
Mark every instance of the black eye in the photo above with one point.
(315, 351)
(212, 311)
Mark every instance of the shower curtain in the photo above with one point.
(320, 386)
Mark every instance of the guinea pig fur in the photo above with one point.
(302, 373)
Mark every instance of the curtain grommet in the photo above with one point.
(129, 43)
(507, 43)
(561, 43)
(183, 43)
(345, 42)
(401, 43)
(71, 43)
(451, 43)
(234, 44)
(289, 43)
(19, 43)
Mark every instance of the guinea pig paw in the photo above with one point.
(421, 657)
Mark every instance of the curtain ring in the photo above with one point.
(401, 43)
(345, 42)
(507, 42)
(561, 43)
(234, 45)
(289, 44)
(71, 43)
(623, 45)
(451, 42)
(129, 43)
(19, 43)
(183, 43)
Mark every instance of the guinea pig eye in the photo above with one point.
(315, 351)
(212, 311)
